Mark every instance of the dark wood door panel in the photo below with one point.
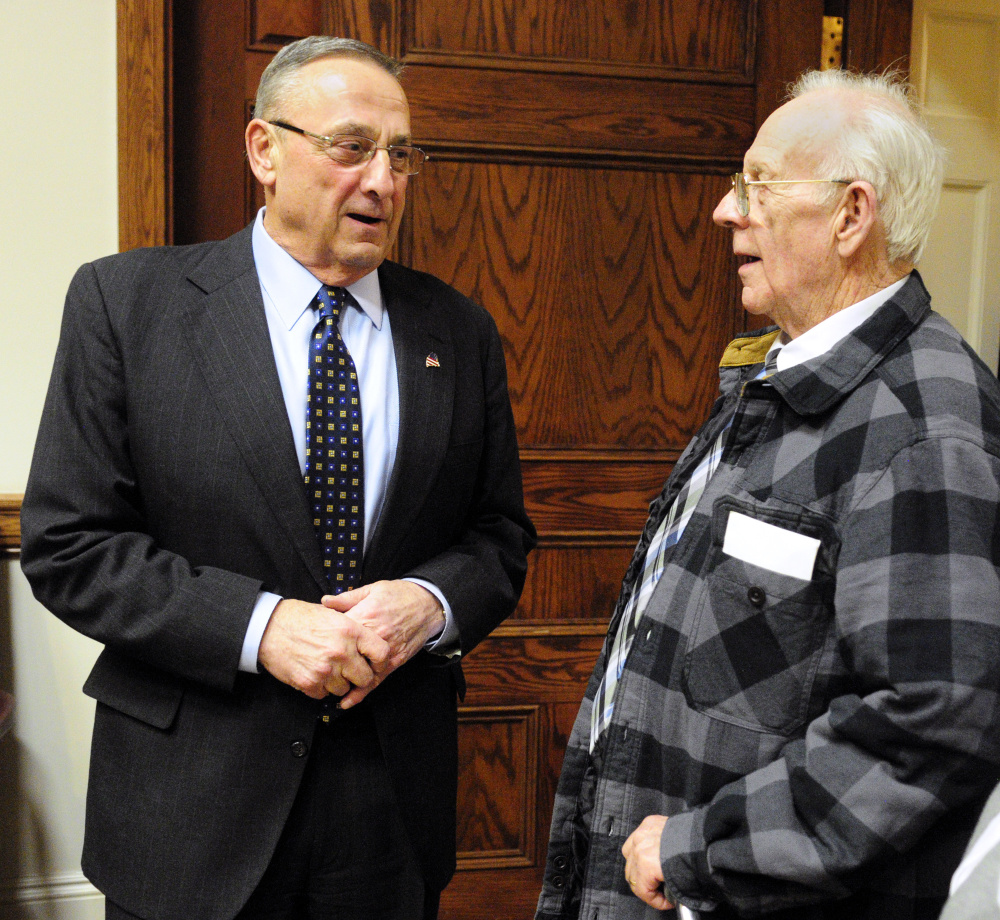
(490, 884)
(273, 23)
(574, 583)
(583, 496)
(521, 112)
(498, 749)
(520, 665)
(606, 285)
(705, 35)
(525, 688)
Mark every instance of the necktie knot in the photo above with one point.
(329, 301)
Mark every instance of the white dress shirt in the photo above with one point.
(288, 289)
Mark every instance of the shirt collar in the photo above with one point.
(291, 287)
(825, 335)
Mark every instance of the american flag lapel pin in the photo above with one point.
(432, 360)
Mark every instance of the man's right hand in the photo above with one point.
(320, 651)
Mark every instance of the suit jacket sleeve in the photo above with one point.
(87, 546)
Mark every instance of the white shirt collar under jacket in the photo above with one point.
(823, 336)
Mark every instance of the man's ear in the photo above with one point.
(262, 152)
(856, 217)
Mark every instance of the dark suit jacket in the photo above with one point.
(165, 493)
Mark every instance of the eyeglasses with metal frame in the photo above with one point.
(356, 150)
(741, 186)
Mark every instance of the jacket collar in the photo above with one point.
(227, 331)
(815, 386)
(425, 370)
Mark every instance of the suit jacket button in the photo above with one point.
(299, 749)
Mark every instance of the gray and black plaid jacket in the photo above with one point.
(821, 746)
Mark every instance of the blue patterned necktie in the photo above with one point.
(334, 446)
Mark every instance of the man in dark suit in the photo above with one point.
(266, 743)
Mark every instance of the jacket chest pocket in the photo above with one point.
(762, 618)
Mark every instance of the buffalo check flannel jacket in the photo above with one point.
(821, 745)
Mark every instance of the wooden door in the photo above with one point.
(577, 148)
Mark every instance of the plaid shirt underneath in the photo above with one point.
(822, 747)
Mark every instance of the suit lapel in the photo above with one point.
(426, 400)
(227, 330)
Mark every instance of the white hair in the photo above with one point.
(884, 140)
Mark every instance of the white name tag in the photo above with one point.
(770, 547)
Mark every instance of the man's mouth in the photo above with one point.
(746, 260)
(366, 219)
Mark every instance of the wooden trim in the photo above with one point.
(667, 160)
(10, 522)
(615, 69)
(599, 455)
(145, 188)
(546, 629)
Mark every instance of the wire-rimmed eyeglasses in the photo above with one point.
(741, 186)
(356, 150)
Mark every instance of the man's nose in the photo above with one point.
(378, 175)
(727, 212)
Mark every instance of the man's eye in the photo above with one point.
(350, 147)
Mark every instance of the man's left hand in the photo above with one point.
(403, 613)
(643, 871)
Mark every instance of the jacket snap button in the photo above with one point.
(561, 862)
(558, 882)
(756, 596)
(299, 749)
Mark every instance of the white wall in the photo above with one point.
(58, 209)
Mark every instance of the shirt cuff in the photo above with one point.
(261, 616)
(684, 861)
(446, 642)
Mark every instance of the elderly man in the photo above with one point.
(277, 476)
(796, 713)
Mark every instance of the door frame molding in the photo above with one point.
(145, 156)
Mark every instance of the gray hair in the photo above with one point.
(884, 140)
(279, 76)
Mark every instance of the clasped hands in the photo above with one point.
(349, 643)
